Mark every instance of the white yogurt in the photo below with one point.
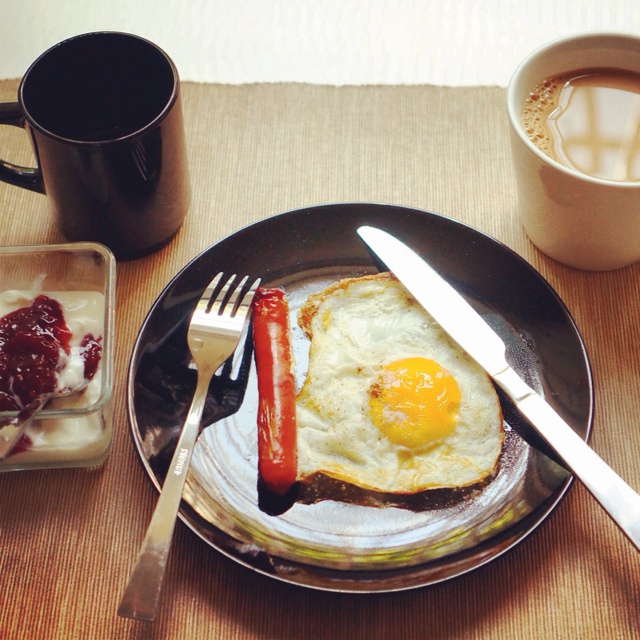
(67, 441)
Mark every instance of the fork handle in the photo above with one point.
(142, 594)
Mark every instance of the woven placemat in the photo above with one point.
(68, 538)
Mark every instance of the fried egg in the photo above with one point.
(389, 402)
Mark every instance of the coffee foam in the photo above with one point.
(541, 102)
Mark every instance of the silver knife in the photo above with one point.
(456, 316)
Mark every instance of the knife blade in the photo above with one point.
(467, 327)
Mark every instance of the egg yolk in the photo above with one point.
(414, 401)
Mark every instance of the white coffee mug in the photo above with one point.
(581, 221)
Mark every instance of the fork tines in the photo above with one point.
(231, 297)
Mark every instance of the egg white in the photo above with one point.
(356, 326)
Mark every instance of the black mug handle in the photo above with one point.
(10, 113)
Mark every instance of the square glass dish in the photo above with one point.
(80, 276)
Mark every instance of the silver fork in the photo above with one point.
(214, 332)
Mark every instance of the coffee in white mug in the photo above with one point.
(588, 120)
(582, 220)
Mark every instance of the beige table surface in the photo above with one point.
(68, 538)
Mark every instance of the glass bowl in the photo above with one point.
(74, 431)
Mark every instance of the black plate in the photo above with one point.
(333, 545)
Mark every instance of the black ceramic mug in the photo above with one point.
(103, 112)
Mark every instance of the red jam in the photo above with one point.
(91, 352)
(31, 342)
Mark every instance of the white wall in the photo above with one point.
(450, 42)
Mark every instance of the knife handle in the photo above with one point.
(617, 498)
